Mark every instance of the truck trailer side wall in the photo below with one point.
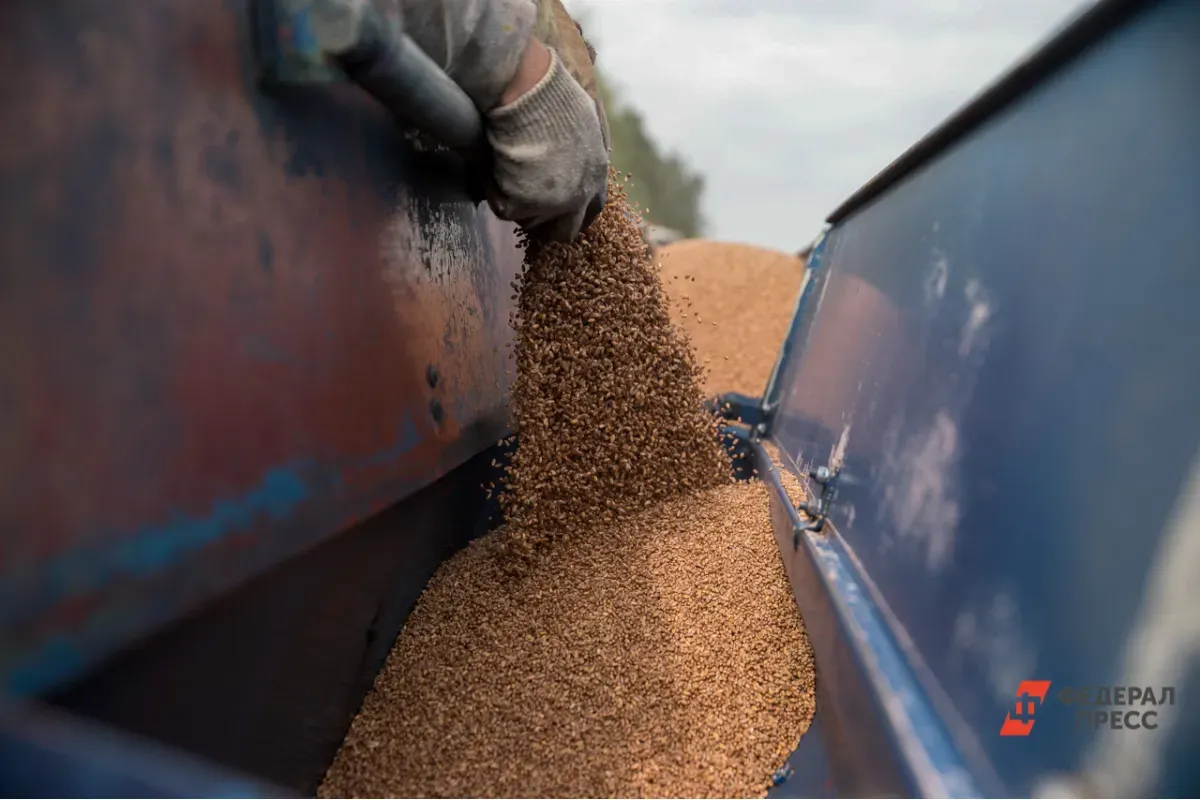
(999, 350)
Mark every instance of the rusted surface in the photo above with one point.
(218, 309)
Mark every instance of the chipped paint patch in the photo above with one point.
(434, 252)
(837, 454)
(980, 312)
(923, 500)
(154, 548)
(145, 554)
(992, 639)
(939, 276)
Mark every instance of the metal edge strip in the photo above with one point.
(770, 401)
(914, 729)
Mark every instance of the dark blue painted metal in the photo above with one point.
(851, 641)
(806, 772)
(218, 307)
(44, 753)
(813, 277)
(1001, 351)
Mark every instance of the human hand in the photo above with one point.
(550, 172)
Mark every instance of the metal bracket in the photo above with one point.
(294, 39)
(827, 479)
(323, 41)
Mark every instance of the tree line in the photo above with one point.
(659, 181)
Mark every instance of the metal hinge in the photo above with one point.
(818, 512)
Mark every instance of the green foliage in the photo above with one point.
(663, 183)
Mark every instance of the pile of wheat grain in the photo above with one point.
(647, 645)
(735, 302)
(664, 658)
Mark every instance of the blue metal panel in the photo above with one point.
(814, 279)
(1001, 351)
(806, 772)
(902, 745)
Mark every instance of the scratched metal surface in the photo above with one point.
(1001, 351)
(218, 313)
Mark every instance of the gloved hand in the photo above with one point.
(551, 160)
(551, 143)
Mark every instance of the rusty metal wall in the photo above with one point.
(232, 322)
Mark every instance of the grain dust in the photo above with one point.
(630, 631)
(735, 301)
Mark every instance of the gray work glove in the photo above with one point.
(551, 157)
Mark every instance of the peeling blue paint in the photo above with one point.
(57, 660)
(152, 548)
(151, 551)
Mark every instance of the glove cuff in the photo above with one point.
(549, 110)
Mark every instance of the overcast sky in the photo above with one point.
(788, 106)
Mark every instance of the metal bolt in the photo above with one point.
(431, 375)
(821, 474)
(761, 429)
